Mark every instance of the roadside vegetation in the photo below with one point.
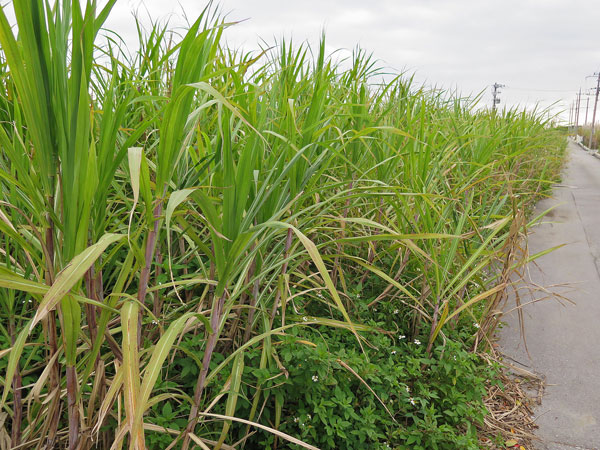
(586, 134)
(205, 248)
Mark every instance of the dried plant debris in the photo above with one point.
(510, 401)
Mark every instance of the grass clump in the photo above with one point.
(586, 136)
(207, 248)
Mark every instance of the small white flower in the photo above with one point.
(454, 357)
(319, 294)
(358, 295)
(296, 420)
(155, 322)
(305, 319)
(315, 378)
(401, 337)
(412, 401)
(393, 352)
(407, 389)
(396, 311)
(30, 301)
(309, 416)
(418, 342)
(476, 325)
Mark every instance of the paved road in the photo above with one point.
(564, 340)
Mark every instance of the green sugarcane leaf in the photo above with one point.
(134, 156)
(312, 250)
(131, 368)
(72, 327)
(159, 354)
(234, 392)
(71, 275)
(13, 360)
(10, 280)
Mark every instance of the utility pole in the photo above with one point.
(587, 107)
(495, 92)
(577, 108)
(596, 74)
(570, 123)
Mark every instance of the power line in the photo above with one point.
(537, 90)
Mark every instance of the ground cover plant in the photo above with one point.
(204, 248)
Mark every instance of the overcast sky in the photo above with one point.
(542, 50)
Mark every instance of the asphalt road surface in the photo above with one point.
(564, 339)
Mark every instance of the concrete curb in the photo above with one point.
(594, 153)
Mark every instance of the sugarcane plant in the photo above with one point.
(189, 199)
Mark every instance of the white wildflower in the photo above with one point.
(476, 325)
(309, 416)
(401, 337)
(305, 319)
(396, 311)
(296, 420)
(155, 322)
(393, 352)
(412, 401)
(315, 378)
(407, 389)
(418, 342)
